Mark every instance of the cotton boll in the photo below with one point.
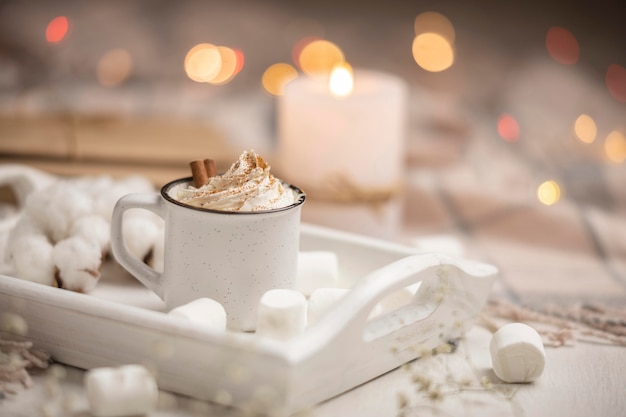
(32, 258)
(137, 184)
(140, 234)
(93, 227)
(93, 186)
(55, 208)
(105, 200)
(78, 261)
(24, 227)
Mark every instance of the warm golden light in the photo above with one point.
(114, 67)
(508, 128)
(240, 60)
(341, 80)
(320, 57)
(615, 147)
(299, 46)
(585, 129)
(57, 29)
(434, 22)
(277, 76)
(549, 192)
(432, 52)
(203, 62)
(562, 45)
(615, 80)
(228, 68)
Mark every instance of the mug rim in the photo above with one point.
(167, 187)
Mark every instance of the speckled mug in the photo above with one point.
(231, 257)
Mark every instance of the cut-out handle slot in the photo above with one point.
(452, 291)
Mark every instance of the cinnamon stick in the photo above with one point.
(199, 173)
(210, 167)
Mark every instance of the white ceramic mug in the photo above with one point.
(231, 257)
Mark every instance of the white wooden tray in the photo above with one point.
(122, 322)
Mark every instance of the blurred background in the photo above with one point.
(516, 112)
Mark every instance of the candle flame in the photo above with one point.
(341, 81)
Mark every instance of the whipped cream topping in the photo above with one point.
(248, 185)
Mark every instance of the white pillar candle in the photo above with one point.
(329, 143)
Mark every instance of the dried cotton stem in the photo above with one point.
(608, 325)
(16, 357)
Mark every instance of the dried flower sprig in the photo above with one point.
(16, 357)
(564, 324)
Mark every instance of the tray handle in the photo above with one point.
(456, 283)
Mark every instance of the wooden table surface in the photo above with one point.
(581, 380)
(586, 376)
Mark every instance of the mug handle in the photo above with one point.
(146, 275)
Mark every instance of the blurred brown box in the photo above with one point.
(69, 144)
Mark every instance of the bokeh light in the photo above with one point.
(432, 52)
(616, 82)
(277, 76)
(229, 65)
(508, 128)
(114, 67)
(57, 29)
(549, 192)
(585, 128)
(615, 147)
(203, 62)
(562, 45)
(298, 47)
(320, 57)
(433, 22)
(341, 80)
(240, 60)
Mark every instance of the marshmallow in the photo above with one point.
(321, 300)
(123, 391)
(316, 269)
(517, 353)
(281, 314)
(205, 311)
